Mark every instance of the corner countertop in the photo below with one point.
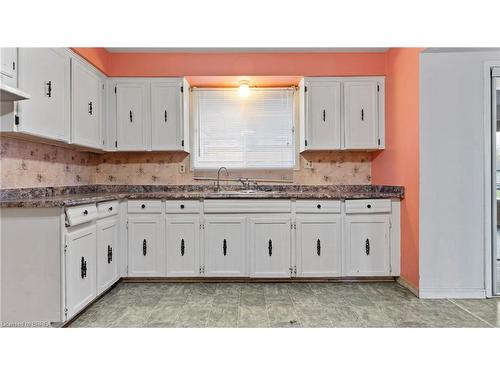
(66, 196)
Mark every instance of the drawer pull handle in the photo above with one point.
(319, 206)
(144, 247)
(143, 206)
(83, 268)
(182, 206)
(318, 247)
(110, 208)
(270, 247)
(362, 114)
(48, 90)
(367, 246)
(182, 247)
(85, 212)
(224, 247)
(90, 108)
(369, 205)
(110, 254)
(324, 115)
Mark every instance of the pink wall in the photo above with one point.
(398, 164)
(99, 57)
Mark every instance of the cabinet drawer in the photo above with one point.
(247, 206)
(149, 206)
(181, 207)
(81, 214)
(317, 206)
(367, 206)
(105, 209)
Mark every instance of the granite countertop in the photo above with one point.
(75, 195)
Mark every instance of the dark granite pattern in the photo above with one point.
(75, 195)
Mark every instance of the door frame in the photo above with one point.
(489, 182)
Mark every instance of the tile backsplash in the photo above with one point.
(31, 164)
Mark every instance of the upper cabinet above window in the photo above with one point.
(342, 113)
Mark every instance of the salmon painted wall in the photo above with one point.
(398, 164)
(230, 64)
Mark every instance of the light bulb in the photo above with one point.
(244, 89)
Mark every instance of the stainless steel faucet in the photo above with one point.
(218, 177)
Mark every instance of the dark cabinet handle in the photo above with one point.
(367, 246)
(130, 116)
(85, 212)
(318, 247)
(143, 206)
(49, 89)
(319, 206)
(110, 254)
(270, 247)
(182, 206)
(182, 247)
(90, 108)
(362, 114)
(166, 116)
(83, 268)
(324, 115)
(224, 247)
(144, 247)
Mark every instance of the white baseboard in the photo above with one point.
(403, 282)
(441, 293)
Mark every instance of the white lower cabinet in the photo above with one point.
(145, 245)
(107, 253)
(319, 245)
(224, 246)
(270, 246)
(183, 245)
(80, 268)
(367, 245)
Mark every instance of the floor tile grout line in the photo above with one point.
(471, 313)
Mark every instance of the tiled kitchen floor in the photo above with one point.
(281, 305)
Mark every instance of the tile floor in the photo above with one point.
(281, 305)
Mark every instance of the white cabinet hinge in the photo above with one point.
(65, 312)
(295, 270)
(291, 271)
(65, 248)
(126, 226)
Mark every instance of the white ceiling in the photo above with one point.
(238, 50)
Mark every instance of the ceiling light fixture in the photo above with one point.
(244, 89)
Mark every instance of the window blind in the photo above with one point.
(256, 132)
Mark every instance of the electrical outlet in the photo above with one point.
(182, 168)
(308, 164)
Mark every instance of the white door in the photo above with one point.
(131, 117)
(367, 250)
(145, 245)
(319, 246)
(361, 114)
(183, 245)
(8, 66)
(80, 264)
(323, 115)
(270, 246)
(165, 116)
(44, 73)
(224, 246)
(107, 253)
(85, 106)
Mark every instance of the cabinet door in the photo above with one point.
(8, 66)
(183, 245)
(44, 73)
(270, 246)
(80, 268)
(165, 117)
(145, 246)
(224, 246)
(85, 106)
(367, 250)
(318, 246)
(323, 116)
(361, 115)
(132, 119)
(107, 254)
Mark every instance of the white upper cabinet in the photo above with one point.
(86, 99)
(44, 73)
(166, 126)
(339, 113)
(132, 101)
(8, 66)
(323, 115)
(361, 114)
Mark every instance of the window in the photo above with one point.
(256, 132)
